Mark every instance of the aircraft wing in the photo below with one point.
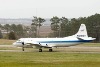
(89, 38)
(33, 44)
(38, 45)
(80, 38)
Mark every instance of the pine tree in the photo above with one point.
(12, 36)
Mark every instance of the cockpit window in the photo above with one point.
(18, 40)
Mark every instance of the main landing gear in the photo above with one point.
(50, 50)
(40, 50)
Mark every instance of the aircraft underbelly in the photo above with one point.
(64, 44)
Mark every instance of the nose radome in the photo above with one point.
(14, 44)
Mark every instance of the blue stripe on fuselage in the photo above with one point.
(65, 41)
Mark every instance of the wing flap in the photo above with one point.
(33, 44)
(80, 38)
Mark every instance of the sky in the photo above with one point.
(48, 8)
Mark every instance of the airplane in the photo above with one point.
(80, 37)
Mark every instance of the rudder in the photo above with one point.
(82, 32)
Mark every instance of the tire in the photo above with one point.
(40, 50)
(50, 50)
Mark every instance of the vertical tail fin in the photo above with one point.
(82, 32)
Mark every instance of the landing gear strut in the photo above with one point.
(22, 46)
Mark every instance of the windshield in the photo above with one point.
(18, 40)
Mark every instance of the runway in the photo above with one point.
(72, 49)
(6, 46)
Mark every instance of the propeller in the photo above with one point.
(40, 44)
(22, 46)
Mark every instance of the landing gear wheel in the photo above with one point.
(22, 48)
(50, 50)
(40, 50)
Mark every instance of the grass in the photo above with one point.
(90, 44)
(6, 42)
(31, 58)
(47, 59)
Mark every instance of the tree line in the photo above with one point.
(12, 31)
(65, 27)
(15, 31)
(61, 27)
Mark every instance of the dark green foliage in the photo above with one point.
(1, 36)
(18, 29)
(7, 27)
(94, 26)
(11, 36)
(37, 23)
(92, 23)
(55, 25)
(63, 27)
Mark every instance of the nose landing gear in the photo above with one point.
(22, 46)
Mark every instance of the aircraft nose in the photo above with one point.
(14, 44)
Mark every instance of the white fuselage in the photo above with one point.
(51, 42)
(80, 37)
